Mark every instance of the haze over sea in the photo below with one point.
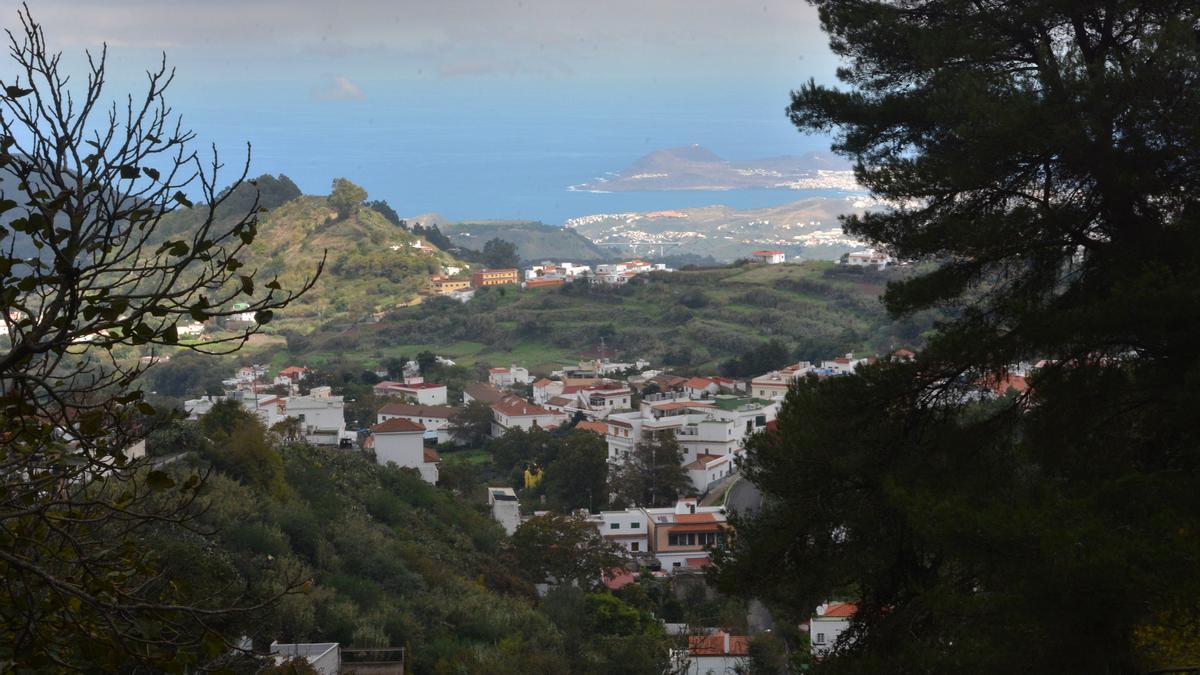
(496, 155)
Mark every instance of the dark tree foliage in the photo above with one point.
(85, 187)
(577, 478)
(652, 475)
(498, 253)
(345, 197)
(1043, 156)
(384, 209)
(768, 356)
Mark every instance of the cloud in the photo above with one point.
(339, 88)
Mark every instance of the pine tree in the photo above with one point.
(1041, 159)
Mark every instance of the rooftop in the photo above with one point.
(397, 426)
(515, 406)
(415, 410)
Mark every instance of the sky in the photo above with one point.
(395, 94)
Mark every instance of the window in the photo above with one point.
(820, 638)
(634, 525)
(614, 526)
(675, 564)
(684, 539)
(635, 546)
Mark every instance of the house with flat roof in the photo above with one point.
(424, 393)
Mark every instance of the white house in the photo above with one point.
(506, 509)
(718, 426)
(768, 257)
(402, 442)
(708, 469)
(325, 658)
(515, 412)
(869, 257)
(628, 529)
(435, 418)
(424, 393)
(322, 418)
(827, 625)
(503, 378)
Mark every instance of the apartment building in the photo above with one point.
(494, 277)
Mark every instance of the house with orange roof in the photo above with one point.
(681, 535)
(503, 378)
(826, 626)
(714, 654)
(514, 412)
(768, 257)
(435, 418)
(401, 441)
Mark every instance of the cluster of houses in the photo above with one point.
(462, 287)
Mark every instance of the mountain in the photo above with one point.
(694, 167)
(372, 264)
(535, 241)
(808, 228)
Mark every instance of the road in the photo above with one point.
(744, 498)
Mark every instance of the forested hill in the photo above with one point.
(373, 262)
(534, 241)
(697, 320)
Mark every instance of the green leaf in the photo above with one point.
(129, 171)
(182, 199)
(247, 285)
(171, 335)
(17, 92)
(263, 316)
(152, 173)
(273, 285)
(159, 480)
(145, 408)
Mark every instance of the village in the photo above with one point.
(624, 403)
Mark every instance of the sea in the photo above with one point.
(488, 153)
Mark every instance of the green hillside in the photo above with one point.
(689, 320)
(535, 241)
(372, 263)
(383, 559)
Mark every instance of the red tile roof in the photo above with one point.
(701, 460)
(598, 427)
(695, 518)
(619, 579)
(840, 610)
(483, 392)
(420, 385)
(542, 382)
(432, 455)
(699, 382)
(767, 253)
(515, 406)
(397, 426)
(714, 645)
